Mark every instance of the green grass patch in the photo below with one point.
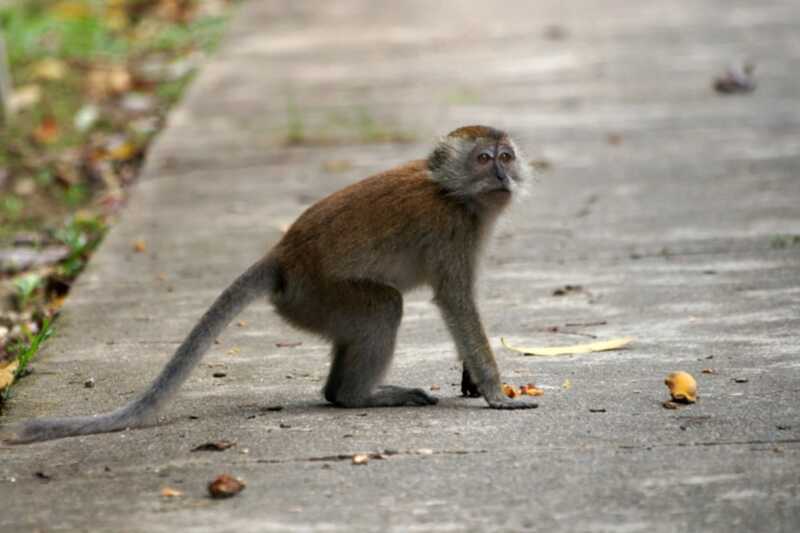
(26, 351)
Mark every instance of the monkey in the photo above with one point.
(340, 271)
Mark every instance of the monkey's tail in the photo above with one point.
(257, 281)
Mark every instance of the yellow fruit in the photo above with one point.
(682, 387)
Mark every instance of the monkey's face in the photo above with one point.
(492, 171)
(480, 164)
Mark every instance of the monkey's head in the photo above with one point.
(479, 163)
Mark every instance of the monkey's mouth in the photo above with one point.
(501, 190)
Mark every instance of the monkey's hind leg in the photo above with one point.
(366, 329)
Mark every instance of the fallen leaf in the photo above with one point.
(225, 486)
(435, 387)
(360, 459)
(24, 97)
(139, 246)
(217, 446)
(7, 371)
(567, 289)
(86, 117)
(169, 492)
(234, 351)
(600, 346)
(71, 10)
(47, 131)
(49, 69)
(104, 81)
(737, 79)
(242, 323)
(566, 385)
(669, 405)
(708, 371)
(121, 150)
(682, 387)
(25, 187)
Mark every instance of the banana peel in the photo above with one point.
(600, 346)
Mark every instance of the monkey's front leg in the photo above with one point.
(463, 321)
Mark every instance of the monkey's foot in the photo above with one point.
(392, 395)
(507, 403)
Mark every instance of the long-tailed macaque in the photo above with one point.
(340, 271)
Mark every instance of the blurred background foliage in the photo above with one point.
(90, 83)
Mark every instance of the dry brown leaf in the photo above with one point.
(600, 346)
(104, 81)
(7, 373)
(225, 486)
(25, 97)
(47, 131)
(49, 69)
(139, 246)
(121, 151)
(71, 10)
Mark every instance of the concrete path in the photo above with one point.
(667, 203)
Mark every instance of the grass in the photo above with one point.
(81, 58)
(355, 125)
(780, 242)
(73, 142)
(26, 286)
(26, 351)
(81, 235)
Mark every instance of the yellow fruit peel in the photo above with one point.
(600, 346)
(682, 387)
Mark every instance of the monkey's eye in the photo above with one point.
(506, 157)
(484, 158)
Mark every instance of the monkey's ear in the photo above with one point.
(438, 157)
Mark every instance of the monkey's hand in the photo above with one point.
(468, 387)
(502, 402)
